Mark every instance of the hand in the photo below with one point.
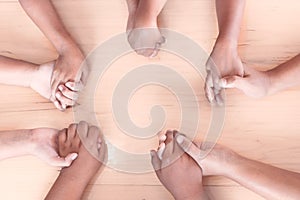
(254, 84)
(45, 147)
(87, 141)
(142, 30)
(223, 61)
(69, 67)
(146, 41)
(67, 94)
(213, 160)
(177, 171)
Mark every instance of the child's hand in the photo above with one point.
(177, 171)
(44, 146)
(41, 84)
(87, 141)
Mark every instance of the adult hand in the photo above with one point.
(85, 140)
(142, 30)
(213, 159)
(69, 67)
(223, 61)
(177, 171)
(254, 84)
(67, 94)
(146, 41)
(45, 147)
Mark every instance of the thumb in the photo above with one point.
(189, 147)
(230, 82)
(156, 162)
(64, 162)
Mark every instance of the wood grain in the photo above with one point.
(266, 129)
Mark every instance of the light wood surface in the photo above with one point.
(266, 129)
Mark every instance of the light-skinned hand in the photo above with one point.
(67, 94)
(213, 161)
(254, 84)
(45, 147)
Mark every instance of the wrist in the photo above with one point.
(82, 168)
(32, 141)
(272, 81)
(146, 15)
(68, 46)
(226, 42)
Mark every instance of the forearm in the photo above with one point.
(43, 14)
(266, 180)
(230, 14)
(148, 11)
(285, 75)
(16, 72)
(70, 184)
(15, 143)
(66, 187)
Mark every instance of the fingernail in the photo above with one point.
(60, 88)
(74, 156)
(64, 106)
(163, 138)
(179, 139)
(57, 95)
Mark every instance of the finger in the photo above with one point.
(82, 129)
(209, 79)
(64, 100)
(209, 93)
(155, 50)
(161, 150)
(162, 139)
(71, 134)
(62, 136)
(162, 40)
(219, 99)
(94, 133)
(75, 86)
(230, 82)
(168, 152)
(189, 147)
(63, 162)
(147, 52)
(68, 93)
(58, 105)
(154, 53)
(155, 160)
(177, 151)
(84, 75)
(169, 136)
(54, 86)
